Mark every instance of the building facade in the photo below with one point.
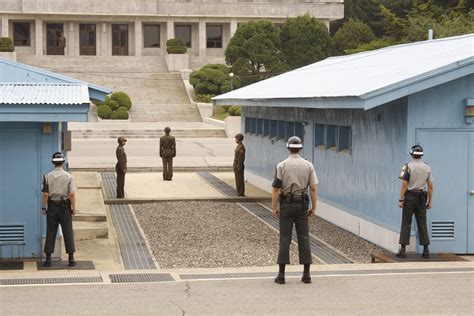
(142, 27)
(357, 128)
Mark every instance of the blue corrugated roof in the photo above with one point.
(44, 93)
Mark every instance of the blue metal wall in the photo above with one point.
(364, 182)
(34, 222)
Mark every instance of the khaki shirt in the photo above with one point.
(58, 184)
(239, 157)
(295, 174)
(167, 146)
(420, 174)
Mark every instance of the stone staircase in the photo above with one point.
(148, 133)
(157, 95)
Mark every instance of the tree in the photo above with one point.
(212, 79)
(305, 40)
(254, 52)
(351, 35)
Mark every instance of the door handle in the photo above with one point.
(471, 192)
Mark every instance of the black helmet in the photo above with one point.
(416, 150)
(294, 142)
(239, 136)
(58, 157)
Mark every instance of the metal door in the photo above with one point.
(447, 154)
(120, 39)
(19, 186)
(470, 205)
(55, 39)
(87, 39)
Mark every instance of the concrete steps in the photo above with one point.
(87, 230)
(112, 133)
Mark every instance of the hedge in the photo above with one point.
(234, 110)
(104, 111)
(6, 44)
(122, 99)
(176, 46)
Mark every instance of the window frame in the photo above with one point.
(148, 25)
(331, 148)
(322, 144)
(17, 42)
(219, 42)
(188, 26)
(347, 150)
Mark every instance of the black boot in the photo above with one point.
(426, 252)
(306, 278)
(280, 278)
(72, 262)
(47, 262)
(402, 252)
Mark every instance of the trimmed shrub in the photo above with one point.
(114, 105)
(234, 110)
(104, 111)
(97, 103)
(6, 44)
(176, 46)
(226, 107)
(204, 98)
(122, 99)
(121, 114)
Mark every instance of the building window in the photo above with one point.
(281, 130)
(289, 129)
(21, 34)
(247, 125)
(331, 137)
(273, 128)
(344, 139)
(259, 127)
(299, 130)
(266, 127)
(151, 35)
(319, 136)
(214, 36)
(183, 32)
(253, 125)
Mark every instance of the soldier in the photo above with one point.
(290, 204)
(167, 153)
(239, 158)
(415, 175)
(121, 166)
(59, 204)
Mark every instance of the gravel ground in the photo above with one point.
(356, 248)
(207, 235)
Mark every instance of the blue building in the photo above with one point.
(358, 115)
(35, 106)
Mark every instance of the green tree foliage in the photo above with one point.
(375, 44)
(122, 99)
(104, 111)
(254, 52)
(351, 35)
(212, 79)
(305, 40)
(6, 44)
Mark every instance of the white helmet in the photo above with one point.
(294, 142)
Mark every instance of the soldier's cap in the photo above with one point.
(167, 129)
(294, 142)
(121, 139)
(58, 157)
(239, 136)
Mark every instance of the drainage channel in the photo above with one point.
(60, 280)
(135, 253)
(324, 252)
(218, 184)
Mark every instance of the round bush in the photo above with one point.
(6, 44)
(120, 115)
(114, 105)
(123, 99)
(104, 111)
(234, 110)
(176, 46)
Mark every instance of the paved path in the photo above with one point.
(399, 293)
(144, 154)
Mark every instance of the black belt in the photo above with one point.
(59, 202)
(416, 192)
(294, 198)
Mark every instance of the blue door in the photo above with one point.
(447, 152)
(19, 202)
(470, 205)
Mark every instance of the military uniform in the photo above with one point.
(167, 153)
(239, 158)
(58, 184)
(417, 173)
(293, 176)
(121, 169)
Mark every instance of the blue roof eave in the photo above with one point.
(44, 112)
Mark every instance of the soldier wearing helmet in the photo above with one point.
(59, 204)
(416, 176)
(121, 166)
(167, 153)
(290, 203)
(239, 158)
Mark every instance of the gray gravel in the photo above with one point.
(207, 234)
(356, 248)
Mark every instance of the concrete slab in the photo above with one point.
(152, 186)
(101, 252)
(89, 202)
(87, 180)
(90, 230)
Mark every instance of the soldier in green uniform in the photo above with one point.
(239, 158)
(290, 204)
(167, 153)
(416, 176)
(59, 204)
(121, 167)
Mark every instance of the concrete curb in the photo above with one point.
(152, 169)
(201, 199)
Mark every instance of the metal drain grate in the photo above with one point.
(109, 185)
(218, 184)
(319, 249)
(135, 253)
(142, 277)
(318, 273)
(65, 280)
